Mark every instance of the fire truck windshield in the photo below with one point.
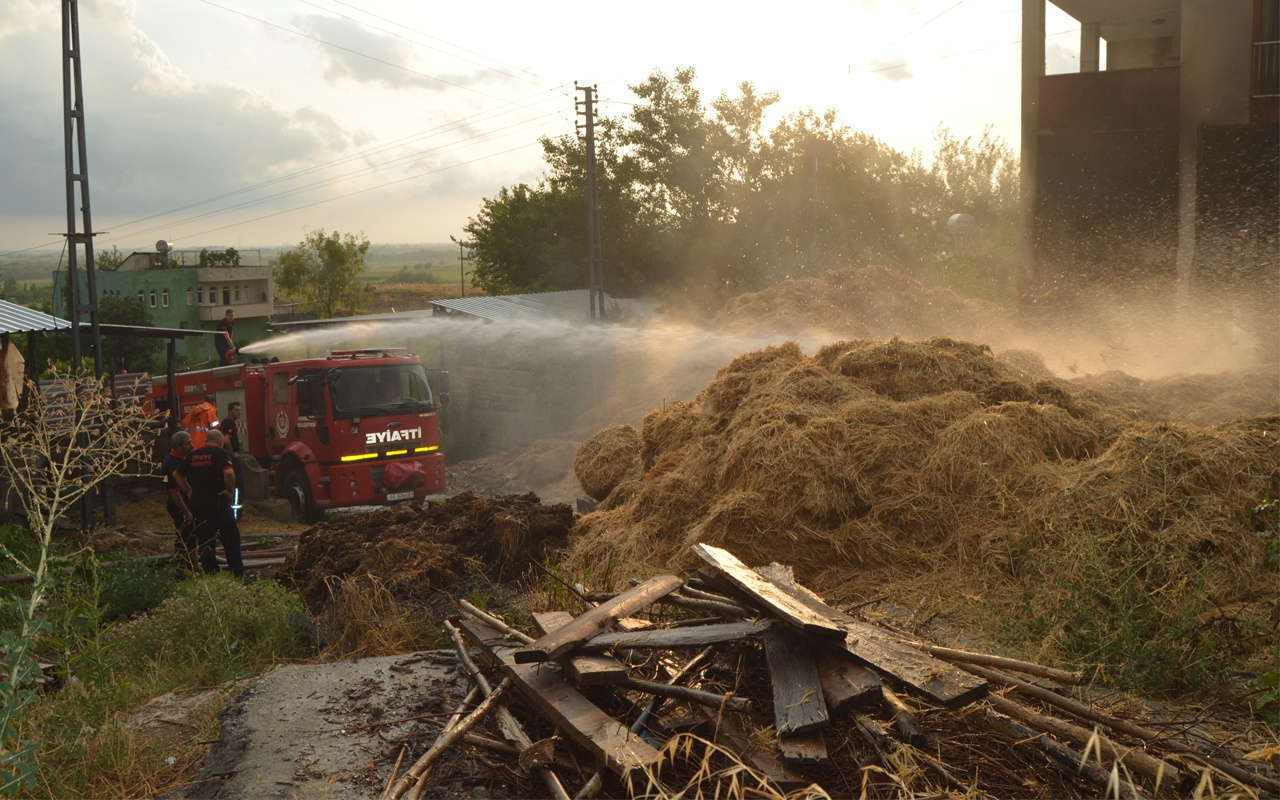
(379, 390)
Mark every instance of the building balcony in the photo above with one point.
(1110, 101)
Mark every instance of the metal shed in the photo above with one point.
(570, 305)
(20, 319)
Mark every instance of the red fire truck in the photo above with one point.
(358, 427)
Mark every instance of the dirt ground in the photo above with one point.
(336, 730)
(333, 731)
(864, 459)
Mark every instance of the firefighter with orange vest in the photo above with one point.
(200, 420)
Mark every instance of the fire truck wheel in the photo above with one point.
(297, 490)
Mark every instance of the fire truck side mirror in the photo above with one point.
(439, 380)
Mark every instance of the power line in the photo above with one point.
(318, 40)
(326, 182)
(360, 191)
(538, 79)
(917, 28)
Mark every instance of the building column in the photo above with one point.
(1188, 159)
(1090, 36)
(1033, 21)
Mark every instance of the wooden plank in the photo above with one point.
(731, 702)
(846, 683)
(1158, 770)
(585, 669)
(672, 638)
(938, 680)
(803, 748)
(903, 720)
(598, 620)
(798, 706)
(935, 679)
(581, 720)
(1070, 761)
(728, 732)
(765, 595)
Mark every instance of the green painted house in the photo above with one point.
(190, 298)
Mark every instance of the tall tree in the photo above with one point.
(108, 260)
(120, 352)
(323, 272)
(128, 353)
(698, 203)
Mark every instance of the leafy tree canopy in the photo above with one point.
(128, 353)
(119, 352)
(219, 258)
(108, 260)
(702, 200)
(323, 272)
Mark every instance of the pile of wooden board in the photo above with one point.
(737, 651)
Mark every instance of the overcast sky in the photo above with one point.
(249, 122)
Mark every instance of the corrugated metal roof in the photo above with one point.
(573, 305)
(570, 305)
(20, 319)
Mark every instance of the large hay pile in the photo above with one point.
(869, 301)
(874, 463)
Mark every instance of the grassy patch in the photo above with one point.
(217, 628)
(127, 588)
(208, 633)
(1119, 613)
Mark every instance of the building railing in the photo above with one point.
(243, 310)
(1266, 69)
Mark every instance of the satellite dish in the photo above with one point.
(163, 247)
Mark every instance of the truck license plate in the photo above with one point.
(393, 496)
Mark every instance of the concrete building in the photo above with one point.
(186, 297)
(1159, 161)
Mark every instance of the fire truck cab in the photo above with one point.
(356, 427)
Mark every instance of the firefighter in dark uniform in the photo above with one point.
(179, 511)
(209, 480)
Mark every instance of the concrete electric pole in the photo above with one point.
(77, 169)
(595, 265)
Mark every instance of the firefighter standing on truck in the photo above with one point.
(208, 479)
(200, 420)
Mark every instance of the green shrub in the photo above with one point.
(1118, 611)
(17, 541)
(217, 624)
(129, 587)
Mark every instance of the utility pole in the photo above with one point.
(462, 271)
(77, 169)
(462, 266)
(595, 265)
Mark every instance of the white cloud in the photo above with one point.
(412, 112)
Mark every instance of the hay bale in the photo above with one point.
(605, 459)
(668, 428)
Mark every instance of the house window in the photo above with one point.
(226, 295)
(164, 299)
(141, 297)
(189, 295)
(237, 294)
(153, 298)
